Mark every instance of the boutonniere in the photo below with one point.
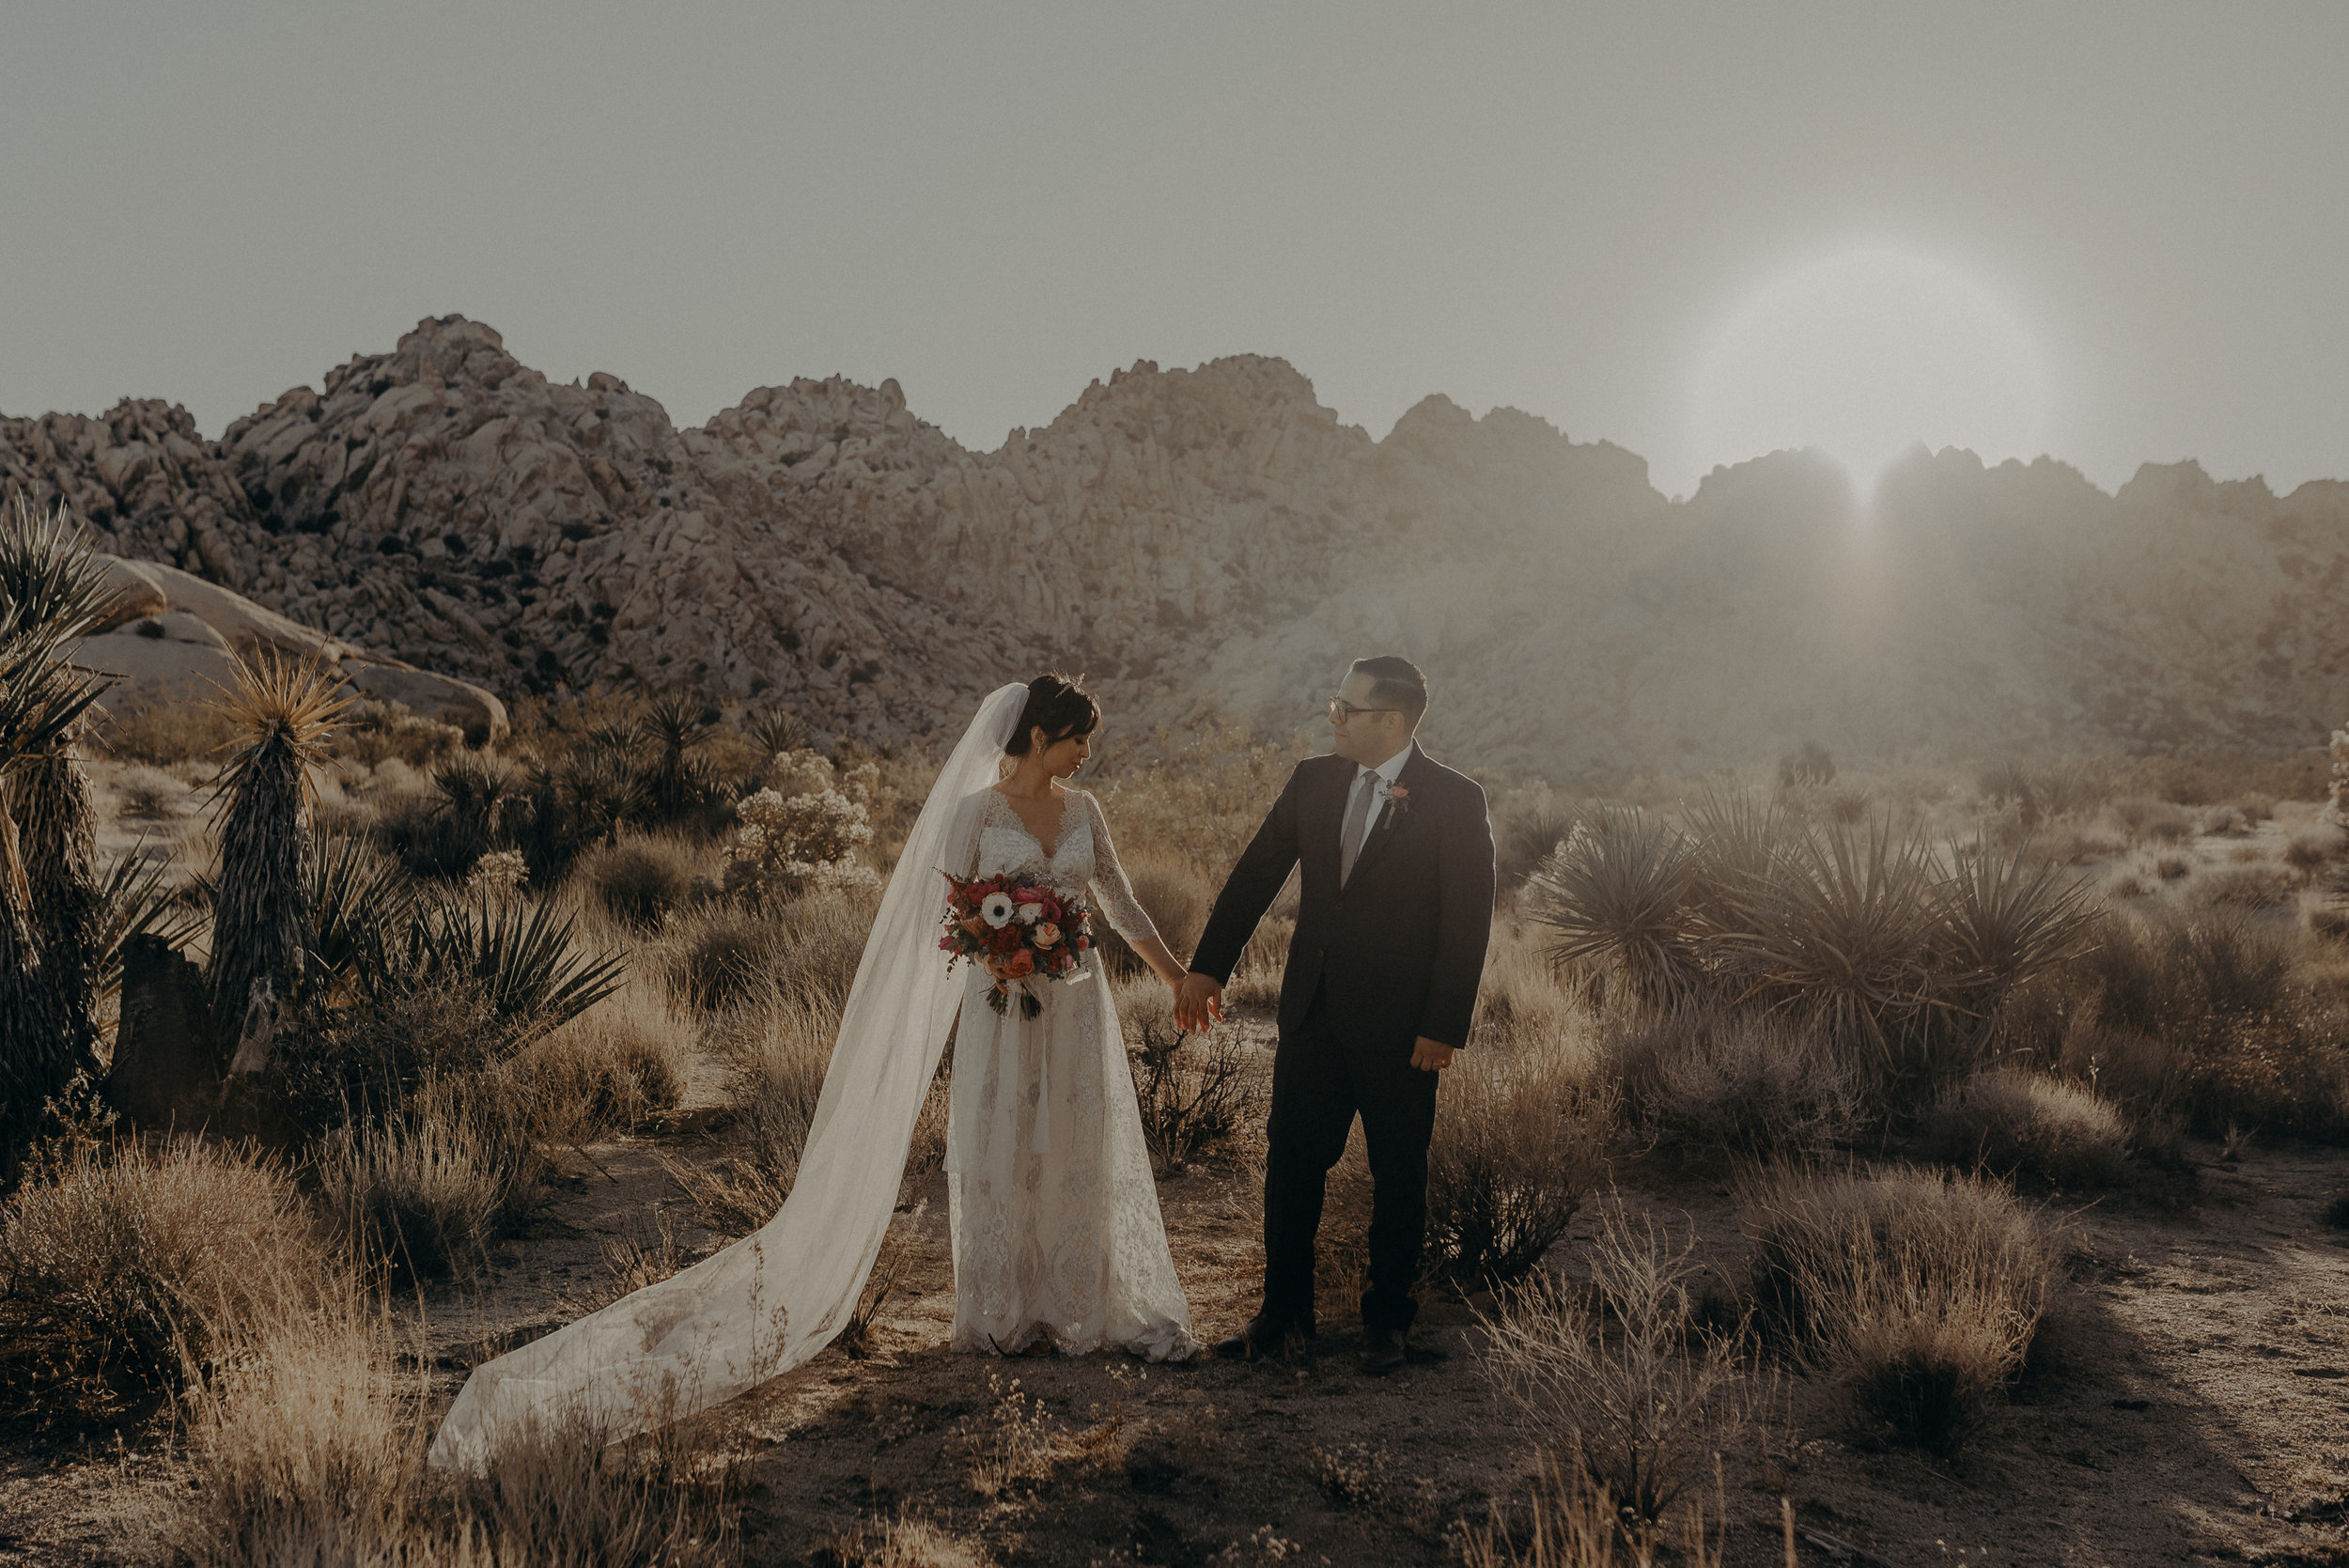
(1398, 801)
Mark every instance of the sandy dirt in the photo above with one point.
(2193, 1406)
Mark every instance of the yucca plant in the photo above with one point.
(1844, 936)
(53, 593)
(285, 712)
(776, 732)
(135, 899)
(677, 782)
(2007, 918)
(360, 903)
(520, 954)
(1616, 893)
(475, 791)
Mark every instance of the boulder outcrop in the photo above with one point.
(1210, 539)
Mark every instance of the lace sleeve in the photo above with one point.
(1112, 892)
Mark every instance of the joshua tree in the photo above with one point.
(53, 593)
(677, 782)
(285, 712)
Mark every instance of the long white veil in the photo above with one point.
(778, 1295)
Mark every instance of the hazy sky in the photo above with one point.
(2116, 233)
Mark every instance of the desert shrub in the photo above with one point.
(1263, 964)
(722, 954)
(1528, 827)
(2022, 1123)
(802, 837)
(1809, 766)
(1624, 1375)
(151, 792)
(131, 1263)
(1195, 1091)
(2208, 778)
(2311, 851)
(2248, 888)
(1903, 956)
(427, 840)
(1520, 1138)
(777, 1053)
(2047, 792)
(1706, 1078)
(640, 879)
(1565, 1520)
(344, 1062)
(426, 1186)
(378, 732)
(610, 1068)
(1177, 898)
(310, 1450)
(1204, 795)
(1919, 1293)
(904, 1541)
(2170, 867)
(1616, 892)
(2224, 822)
(162, 734)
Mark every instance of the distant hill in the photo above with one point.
(1215, 539)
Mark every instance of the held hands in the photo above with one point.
(1198, 1003)
(1430, 1056)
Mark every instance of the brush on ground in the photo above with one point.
(2011, 1122)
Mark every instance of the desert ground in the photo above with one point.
(2106, 1321)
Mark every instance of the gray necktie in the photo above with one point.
(1357, 826)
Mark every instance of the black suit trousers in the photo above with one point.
(1321, 1082)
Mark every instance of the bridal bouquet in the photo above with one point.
(1019, 933)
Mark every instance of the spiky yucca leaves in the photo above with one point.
(359, 902)
(1843, 935)
(49, 794)
(475, 791)
(2008, 918)
(678, 782)
(777, 732)
(518, 954)
(285, 712)
(53, 593)
(1614, 894)
(135, 899)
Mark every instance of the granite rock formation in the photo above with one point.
(1215, 539)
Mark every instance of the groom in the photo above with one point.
(1395, 905)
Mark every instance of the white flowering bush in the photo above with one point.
(789, 845)
(500, 871)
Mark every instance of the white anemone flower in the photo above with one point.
(996, 910)
(1029, 913)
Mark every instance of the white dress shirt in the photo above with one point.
(1386, 772)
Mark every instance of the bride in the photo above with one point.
(1058, 1244)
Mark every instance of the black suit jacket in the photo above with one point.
(1400, 949)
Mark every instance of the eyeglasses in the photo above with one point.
(1341, 710)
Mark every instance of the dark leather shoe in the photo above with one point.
(1265, 1338)
(1382, 1351)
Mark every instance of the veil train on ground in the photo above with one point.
(777, 1296)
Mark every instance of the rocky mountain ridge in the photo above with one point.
(1215, 539)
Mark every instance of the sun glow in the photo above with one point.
(1864, 355)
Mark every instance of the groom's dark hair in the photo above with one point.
(1396, 683)
(1061, 706)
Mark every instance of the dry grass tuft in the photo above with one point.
(1708, 1079)
(1195, 1092)
(2013, 1123)
(904, 1541)
(609, 1069)
(2247, 887)
(128, 1263)
(1564, 1521)
(427, 1186)
(641, 879)
(1623, 1375)
(1520, 1138)
(778, 1053)
(1919, 1293)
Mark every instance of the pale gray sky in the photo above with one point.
(1556, 206)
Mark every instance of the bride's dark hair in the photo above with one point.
(1058, 705)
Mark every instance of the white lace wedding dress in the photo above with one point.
(1055, 1219)
(1057, 1236)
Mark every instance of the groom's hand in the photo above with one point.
(1429, 1056)
(1198, 1002)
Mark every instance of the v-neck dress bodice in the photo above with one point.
(1053, 1208)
